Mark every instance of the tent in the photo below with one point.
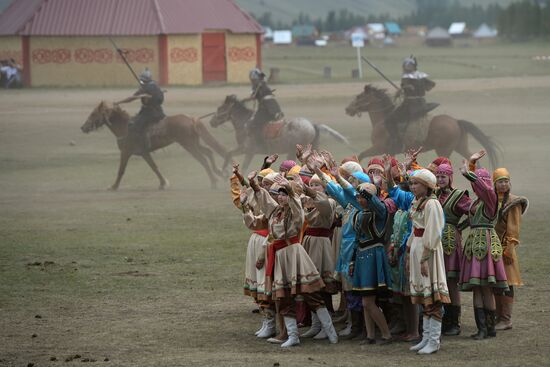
(392, 28)
(438, 37)
(458, 29)
(485, 32)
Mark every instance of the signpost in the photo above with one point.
(358, 41)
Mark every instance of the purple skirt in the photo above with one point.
(453, 262)
(486, 272)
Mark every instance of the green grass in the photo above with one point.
(153, 278)
(465, 60)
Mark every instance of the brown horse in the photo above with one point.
(445, 135)
(179, 128)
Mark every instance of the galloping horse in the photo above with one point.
(446, 134)
(179, 128)
(297, 130)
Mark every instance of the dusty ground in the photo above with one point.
(153, 278)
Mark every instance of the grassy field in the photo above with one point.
(143, 277)
(467, 59)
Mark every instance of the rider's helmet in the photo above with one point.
(410, 64)
(256, 75)
(146, 76)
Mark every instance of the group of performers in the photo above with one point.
(388, 237)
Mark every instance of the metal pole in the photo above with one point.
(379, 72)
(121, 53)
(359, 63)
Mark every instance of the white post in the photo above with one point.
(359, 62)
(358, 41)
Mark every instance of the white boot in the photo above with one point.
(264, 321)
(292, 331)
(269, 329)
(425, 335)
(435, 334)
(347, 330)
(315, 327)
(326, 323)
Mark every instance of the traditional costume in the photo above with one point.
(254, 278)
(511, 208)
(431, 290)
(289, 265)
(456, 203)
(482, 264)
(345, 198)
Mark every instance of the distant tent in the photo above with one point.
(376, 31)
(282, 37)
(393, 28)
(485, 32)
(458, 29)
(304, 34)
(438, 37)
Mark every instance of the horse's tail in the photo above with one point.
(335, 134)
(209, 138)
(493, 149)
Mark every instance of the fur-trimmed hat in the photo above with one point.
(375, 163)
(426, 177)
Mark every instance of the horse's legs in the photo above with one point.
(124, 157)
(163, 181)
(230, 155)
(374, 150)
(462, 146)
(208, 153)
(195, 152)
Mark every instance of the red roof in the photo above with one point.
(123, 17)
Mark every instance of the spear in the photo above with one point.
(379, 72)
(123, 57)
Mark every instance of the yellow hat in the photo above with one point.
(294, 171)
(500, 174)
(265, 172)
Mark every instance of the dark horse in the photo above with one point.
(179, 128)
(296, 130)
(445, 135)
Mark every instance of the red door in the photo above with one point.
(213, 57)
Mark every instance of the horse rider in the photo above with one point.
(414, 85)
(150, 113)
(268, 108)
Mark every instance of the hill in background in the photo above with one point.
(288, 10)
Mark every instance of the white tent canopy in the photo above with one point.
(457, 28)
(484, 31)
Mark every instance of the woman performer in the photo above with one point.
(369, 266)
(482, 268)
(402, 227)
(319, 214)
(511, 208)
(254, 285)
(426, 264)
(455, 203)
(354, 172)
(288, 264)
